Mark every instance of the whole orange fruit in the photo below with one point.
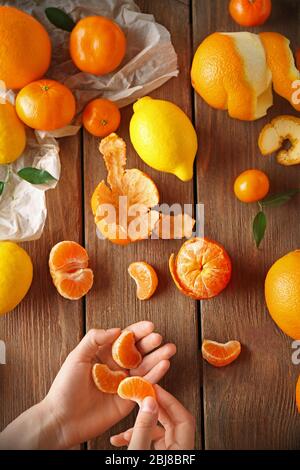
(250, 12)
(251, 186)
(97, 45)
(46, 105)
(25, 48)
(282, 292)
(101, 117)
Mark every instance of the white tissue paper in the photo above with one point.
(149, 62)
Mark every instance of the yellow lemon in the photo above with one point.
(12, 134)
(15, 275)
(164, 137)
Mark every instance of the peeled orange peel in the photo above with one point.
(201, 269)
(107, 380)
(136, 389)
(145, 278)
(123, 207)
(219, 354)
(124, 351)
(274, 134)
(235, 71)
(68, 263)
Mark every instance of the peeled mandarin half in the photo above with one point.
(202, 268)
(274, 134)
(219, 354)
(136, 389)
(107, 380)
(68, 263)
(282, 65)
(145, 278)
(124, 351)
(229, 71)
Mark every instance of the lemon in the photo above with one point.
(164, 137)
(15, 275)
(12, 134)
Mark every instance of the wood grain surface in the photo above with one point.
(251, 403)
(247, 405)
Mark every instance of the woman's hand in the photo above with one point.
(176, 433)
(80, 410)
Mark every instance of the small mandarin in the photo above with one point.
(101, 117)
(251, 186)
(250, 12)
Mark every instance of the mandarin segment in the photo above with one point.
(124, 351)
(145, 277)
(219, 354)
(107, 380)
(136, 389)
(68, 263)
(202, 268)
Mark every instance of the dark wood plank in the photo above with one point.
(251, 403)
(112, 301)
(45, 327)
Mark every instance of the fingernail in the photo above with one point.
(149, 405)
(112, 330)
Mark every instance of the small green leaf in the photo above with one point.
(59, 18)
(2, 184)
(259, 227)
(35, 176)
(279, 199)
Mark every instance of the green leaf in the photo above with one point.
(2, 184)
(35, 176)
(279, 199)
(259, 227)
(59, 18)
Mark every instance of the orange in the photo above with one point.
(250, 12)
(107, 380)
(219, 354)
(68, 263)
(202, 268)
(282, 292)
(25, 48)
(122, 208)
(229, 71)
(101, 117)
(46, 105)
(145, 278)
(298, 394)
(136, 389)
(124, 351)
(282, 65)
(97, 45)
(251, 186)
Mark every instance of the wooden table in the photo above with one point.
(247, 405)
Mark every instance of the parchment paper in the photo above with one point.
(149, 62)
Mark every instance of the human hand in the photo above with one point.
(176, 433)
(82, 412)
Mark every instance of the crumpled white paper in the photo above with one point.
(149, 62)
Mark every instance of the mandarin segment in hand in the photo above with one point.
(219, 354)
(124, 351)
(145, 278)
(68, 263)
(136, 389)
(107, 380)
(202, 268)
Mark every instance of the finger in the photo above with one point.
(175, 410)
(149, 361)
(90, 343)
(158, 372)
(145, 423)
(124, 438)
(141, 329)
(149, 342)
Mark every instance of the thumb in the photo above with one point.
(90, 343)
(145, 424)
